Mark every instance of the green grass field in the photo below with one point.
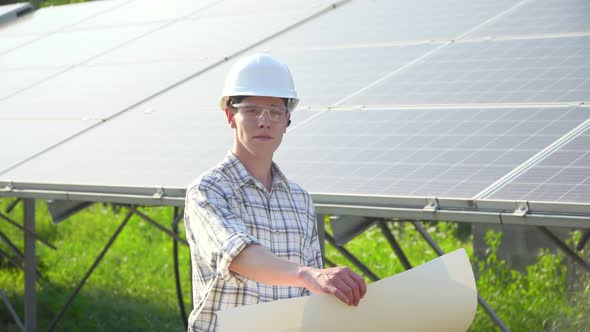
(133, 287)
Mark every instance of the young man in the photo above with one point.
(251, 231)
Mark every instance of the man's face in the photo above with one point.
(258, 136)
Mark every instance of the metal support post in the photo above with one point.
(566, 249)
(321, 229)
(365, 270)
(30, 268)
(394, 244)
(89, 272)
(176, 219)
(497, 320)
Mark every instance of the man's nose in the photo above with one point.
(264, 117)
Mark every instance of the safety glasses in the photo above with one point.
(256, 112)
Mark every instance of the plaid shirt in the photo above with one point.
(226, 210)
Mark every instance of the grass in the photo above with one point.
(133, 287)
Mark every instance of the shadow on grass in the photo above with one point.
(95, 310)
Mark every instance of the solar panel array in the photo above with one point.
(421, 98)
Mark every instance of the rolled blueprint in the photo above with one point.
(439, 295)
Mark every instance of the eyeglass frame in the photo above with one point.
(267, 108)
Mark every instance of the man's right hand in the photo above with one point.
(340, 281)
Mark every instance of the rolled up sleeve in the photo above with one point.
(214, 231)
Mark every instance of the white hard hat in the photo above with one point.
(259, 75)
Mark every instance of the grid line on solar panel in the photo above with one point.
(562, 176)
(542, 16)
(452, 153)
(531, 71)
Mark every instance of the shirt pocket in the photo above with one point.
(290, 234)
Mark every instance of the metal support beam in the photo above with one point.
(583, 240)
(12, 311)
(394, 244)
(24, 229)
(321, 229)
(175, 220)
(497, 320)
(12, 246)
(158, 226)
(89, 272)
(565, 248)
(30, 268)
(12, 205)
(365, 270)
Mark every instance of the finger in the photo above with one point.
(344, 287)
(356, 297)
(339, 294)
(361, 283)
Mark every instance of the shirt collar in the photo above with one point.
(242, 176)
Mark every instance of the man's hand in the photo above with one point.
(340, 281)
(257, 263)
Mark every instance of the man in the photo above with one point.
(252, 232)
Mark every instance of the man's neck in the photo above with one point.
(258, 167)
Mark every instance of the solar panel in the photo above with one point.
(509, 71)
(419, 152)
(264, 7)
(70, 47)
(146, 11)
(383, 21)
(94, 91)
(188, 141)
(52, 19)
(203, 39)
(46, 133)
(115, 162)
(11, 42)
(542, 17)
(562, 176)
(325, 76)
(15, 80)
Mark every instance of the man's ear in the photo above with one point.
(231, 117)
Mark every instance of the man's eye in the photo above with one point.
(277, 113)
(252, 110)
